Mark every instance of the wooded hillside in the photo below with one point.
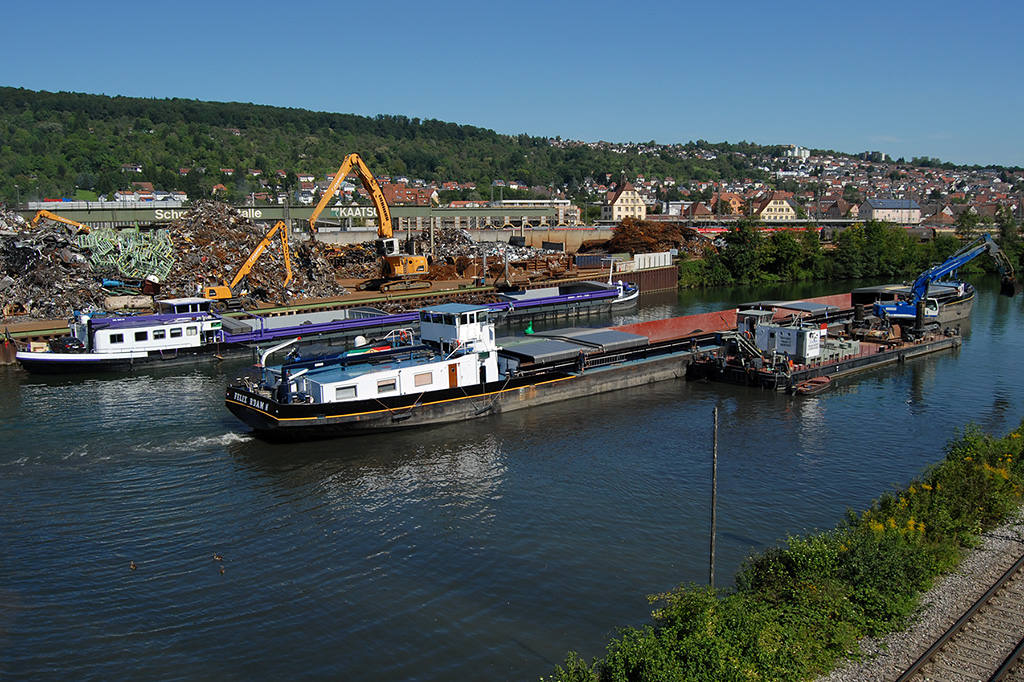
(56, 143)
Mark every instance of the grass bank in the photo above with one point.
(799, 610)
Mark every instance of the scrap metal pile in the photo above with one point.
(48, 271)
(459, 255)
(129, 253)
(213, 240)
(43, 273)
(646, 236)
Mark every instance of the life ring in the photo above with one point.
(403, 336)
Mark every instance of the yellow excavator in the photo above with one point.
(225, 296)
(58, 218)
(399, 271)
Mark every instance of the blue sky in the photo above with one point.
(912, 79)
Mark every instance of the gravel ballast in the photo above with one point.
(886, 658)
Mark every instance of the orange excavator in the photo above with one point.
(58, 218)
(399, 271)
(226, 296)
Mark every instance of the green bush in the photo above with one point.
(798, 610)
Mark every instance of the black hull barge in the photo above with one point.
(453, 371)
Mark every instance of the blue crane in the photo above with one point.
(907, 308)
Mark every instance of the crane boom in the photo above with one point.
(399, 271)
(353, 162)
(226, 293)
(58, 218)
(968, 253)
(264, 243)
(919, 289)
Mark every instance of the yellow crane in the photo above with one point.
(58, 218)
(225, 296)
(398, 271)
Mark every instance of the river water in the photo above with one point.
(483, 550)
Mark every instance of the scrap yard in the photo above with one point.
(51, 268)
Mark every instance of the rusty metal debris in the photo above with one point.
(648, 236)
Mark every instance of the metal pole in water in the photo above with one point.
(714, 494)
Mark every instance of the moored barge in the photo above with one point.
(455, 368)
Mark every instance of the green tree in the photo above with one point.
(888, 250)
(848, 258)
(811, 254)
(967, 224)
(1009, 236)
(742, 252)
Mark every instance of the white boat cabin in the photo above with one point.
(178, 323)
(456, 348)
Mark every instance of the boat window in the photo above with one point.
(159, 333)
(424, 379)
(117, 338)
(448, 319)
(387, 385)
(345, 393)
(482, 316)
(141, 336)
(191, 331)
(465, 318)
(176, 332)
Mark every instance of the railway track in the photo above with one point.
(986, 643)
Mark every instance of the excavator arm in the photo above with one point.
(60, 219)
(354, 163)
(258, 251)
(399, 271)
(965, 255)
(226, 293)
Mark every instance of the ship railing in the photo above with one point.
(400, 337)
(605, 360)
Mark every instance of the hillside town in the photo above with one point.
(797, 186)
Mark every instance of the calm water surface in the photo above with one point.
(478, 550)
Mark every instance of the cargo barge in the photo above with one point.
(452, 370)
(455, 368)
(795, 346)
